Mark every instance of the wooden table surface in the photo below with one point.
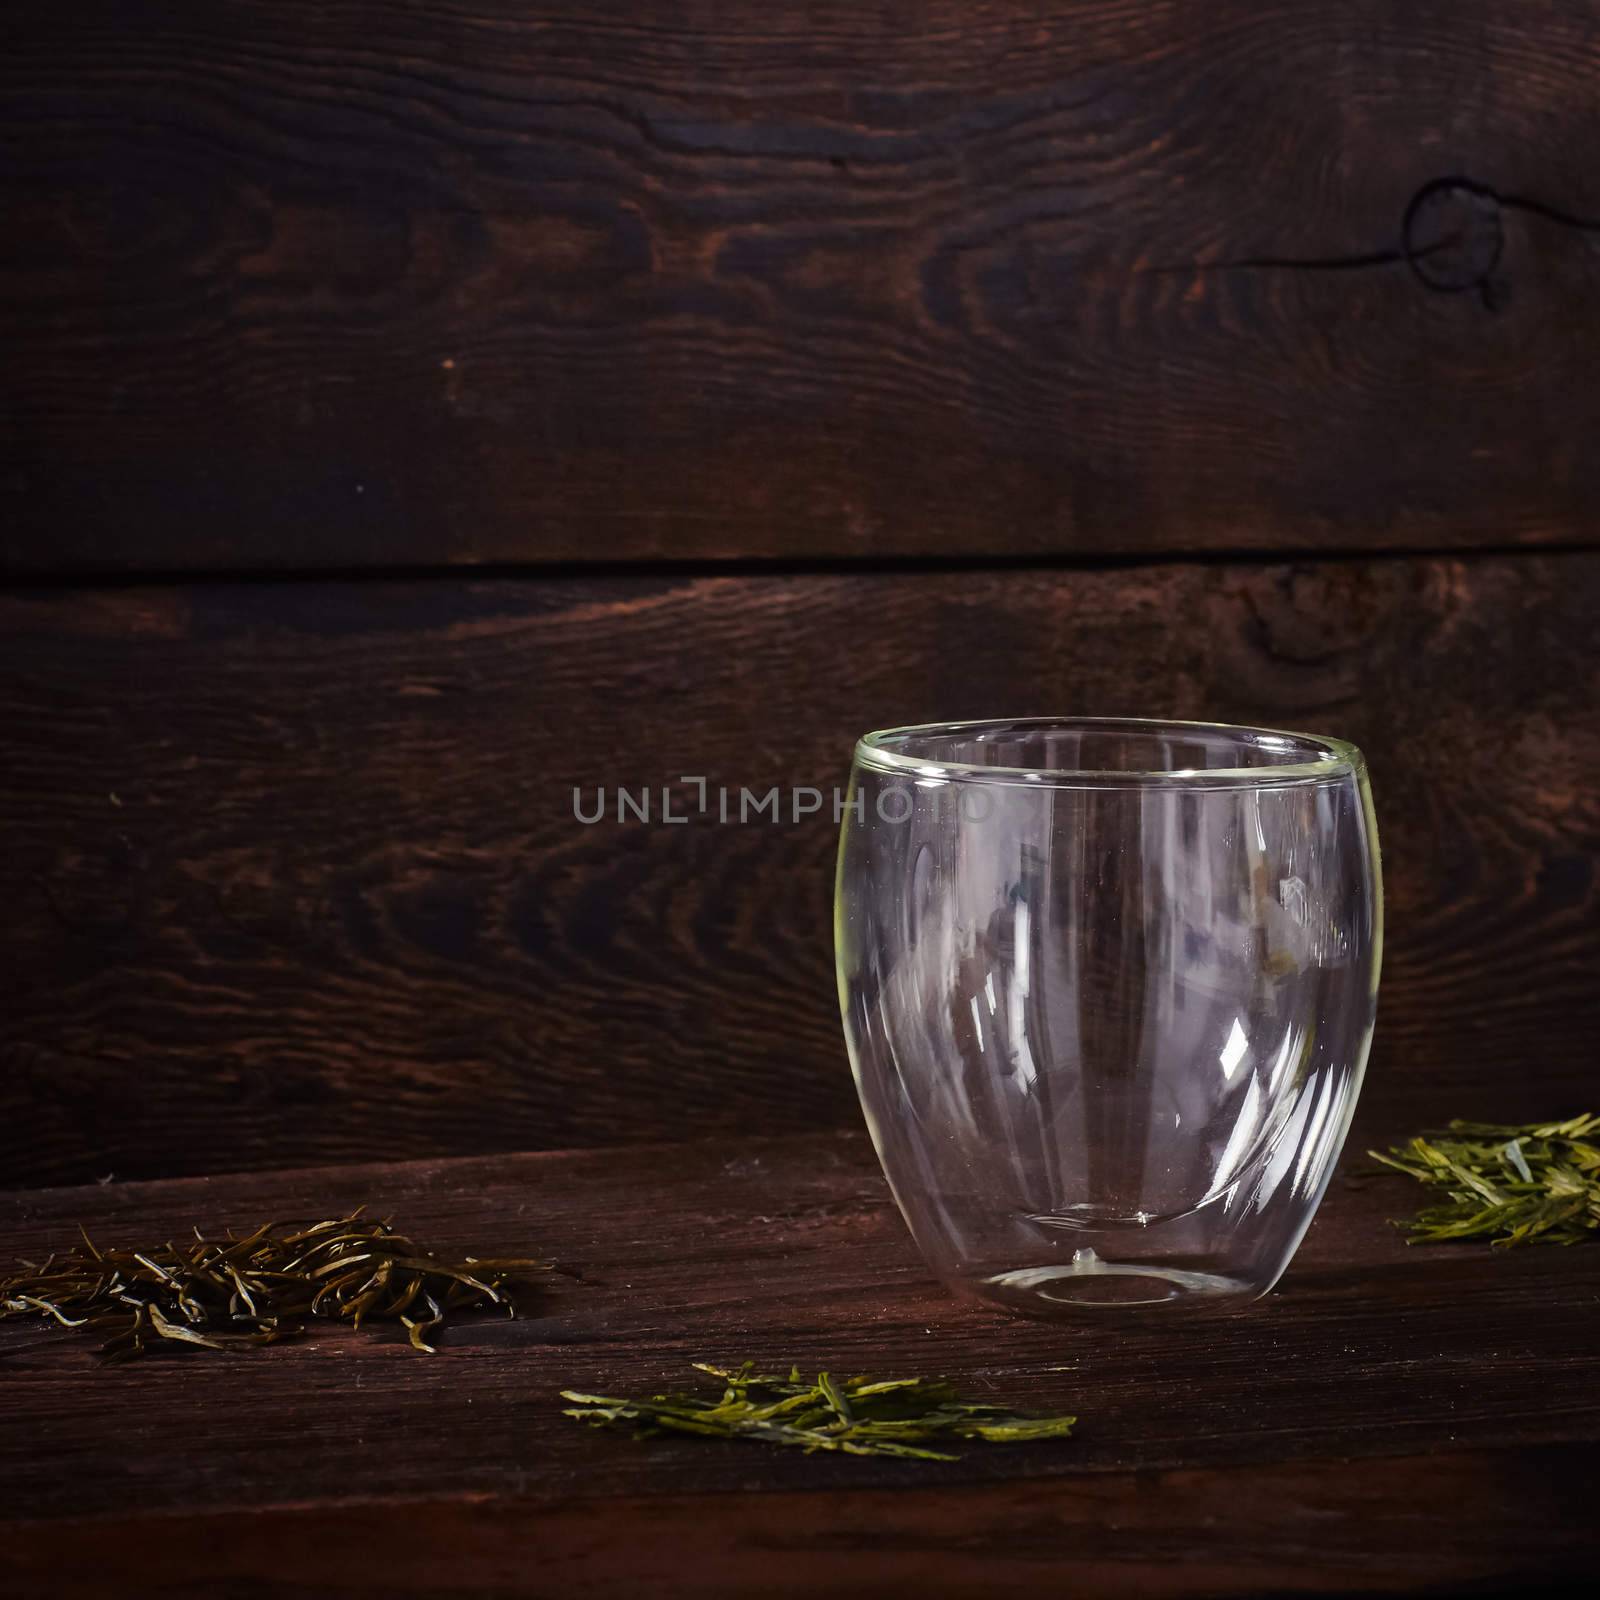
(1392, 1419)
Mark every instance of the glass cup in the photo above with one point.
(1108, 989)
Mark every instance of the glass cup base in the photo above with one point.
(1095, 1286)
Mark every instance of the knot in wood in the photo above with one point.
(1453, 235)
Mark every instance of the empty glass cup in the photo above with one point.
(1108, 989)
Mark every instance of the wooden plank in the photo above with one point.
(1506, 1521)
(308, 285)
(292, 873)
(1356, 1431)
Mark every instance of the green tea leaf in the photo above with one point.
(1534, 1183)
(854, 1416)
(237, 1292)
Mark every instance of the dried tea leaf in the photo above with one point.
(1528, 1183)
(236, 1292)
(855, 1416)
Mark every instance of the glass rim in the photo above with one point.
(1327, 758)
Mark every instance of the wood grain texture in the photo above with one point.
(291, 872)
(1391, 1420)
(307, 285)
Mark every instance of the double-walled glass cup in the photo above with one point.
(1108, 989)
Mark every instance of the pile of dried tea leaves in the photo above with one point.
(234, 1292)
(859, 1416)
(1510, 1183)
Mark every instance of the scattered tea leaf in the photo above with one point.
(1529, 1183)
(232, 1293)
(857, 1416)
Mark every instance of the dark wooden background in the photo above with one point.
(410, 411)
